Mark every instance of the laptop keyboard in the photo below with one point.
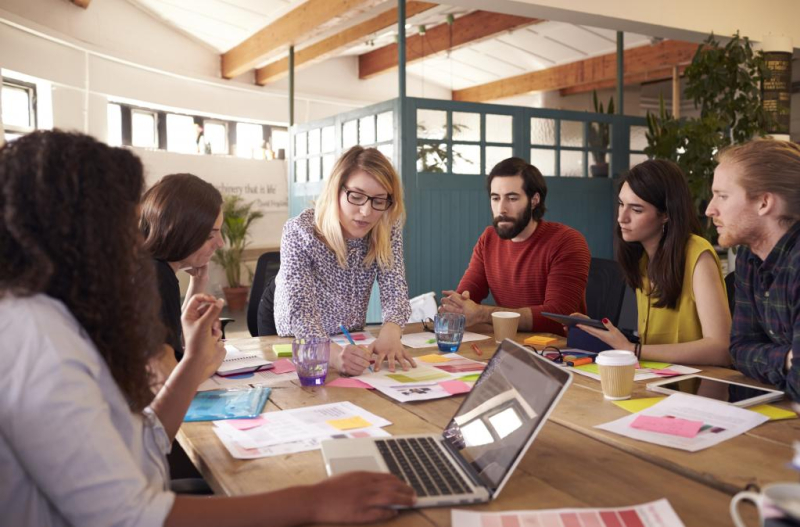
(420, 462)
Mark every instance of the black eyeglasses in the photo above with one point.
(427, 325)
(550, 352)
(359, 198)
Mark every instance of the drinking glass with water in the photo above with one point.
(449, 329)
(310, 356)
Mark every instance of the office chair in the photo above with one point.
(605, 290)
(266, 268)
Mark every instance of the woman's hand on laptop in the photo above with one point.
(360, 497)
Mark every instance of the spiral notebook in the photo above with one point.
(238, 361)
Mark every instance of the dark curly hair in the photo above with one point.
(68, 230)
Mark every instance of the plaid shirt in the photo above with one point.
(766, 320)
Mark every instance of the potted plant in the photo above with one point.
(724, 82)
(600, 138)
(238, 216)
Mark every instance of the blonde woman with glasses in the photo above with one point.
(332, 254)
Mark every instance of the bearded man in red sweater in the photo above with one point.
(529, 265)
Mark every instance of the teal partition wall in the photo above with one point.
(448, 147)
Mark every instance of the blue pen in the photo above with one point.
(347, 334)
(350, 338)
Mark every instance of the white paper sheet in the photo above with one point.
(721, 422)
(421, 383)
(428, 339)
(366, 341)
(654, 514)
(240, 452)
(259, 378)
(300, 424)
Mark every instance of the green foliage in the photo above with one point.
(600, 133)
(724, 82)
(433, 156)
(237, 217)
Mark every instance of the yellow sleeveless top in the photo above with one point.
(660, 325)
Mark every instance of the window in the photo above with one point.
(181, 134)
(144, 129)
(114, 131)
(18, 107)
(250, 140)
(216, 136)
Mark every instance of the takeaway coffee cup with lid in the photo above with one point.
(617, 368)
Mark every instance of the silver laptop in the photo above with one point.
(474, 457)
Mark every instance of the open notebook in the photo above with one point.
(237, 361)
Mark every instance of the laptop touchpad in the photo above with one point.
(352, 464)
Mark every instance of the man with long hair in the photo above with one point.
(529, 265)
(756, 203)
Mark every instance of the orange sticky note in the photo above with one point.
(538, 340)
(433, 358)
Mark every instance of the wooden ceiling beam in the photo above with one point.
(303, 22)
(329, 46)
(467, 29)
(82, 3)
(596, 69)
(631, 79)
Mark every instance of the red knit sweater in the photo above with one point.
(546, 272)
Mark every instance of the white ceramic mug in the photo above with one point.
(778, 500)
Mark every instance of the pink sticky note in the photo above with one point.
(666, 372)
(282, 366)
(246, 424)
(455, 387)
(348, 382)
(668, 425)
(358, 336)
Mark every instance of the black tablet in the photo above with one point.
(570, 321)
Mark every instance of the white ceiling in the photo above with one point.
(222, 24)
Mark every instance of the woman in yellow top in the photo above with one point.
(680, 291)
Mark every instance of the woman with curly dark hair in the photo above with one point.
(83, 436)
(181, 223)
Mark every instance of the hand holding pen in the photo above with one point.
(354, 358)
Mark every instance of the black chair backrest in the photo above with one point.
(266, 268)
(730, 280)
(605, 290)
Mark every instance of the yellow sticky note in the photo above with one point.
(282, 350)
(773, 412)
(589, 368)
(637, 405)
(433, 358)
(652, 365)
(349, 423)
(538, 340)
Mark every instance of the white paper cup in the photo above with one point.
(617, 368)
(505, 325)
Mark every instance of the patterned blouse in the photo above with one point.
(314, 295)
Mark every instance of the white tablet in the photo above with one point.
(733, 393)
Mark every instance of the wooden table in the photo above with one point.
(571, 463)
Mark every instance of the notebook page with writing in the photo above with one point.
(237, 361)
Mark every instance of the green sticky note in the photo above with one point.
(471, 377)
(652, 365)
(591, 368)
(773, 412)
(282, 350)
(637, 405)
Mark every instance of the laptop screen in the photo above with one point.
(496, 422)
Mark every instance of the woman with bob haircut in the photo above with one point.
(79, 322)
(181, 220)
(333, 253)
(680, 291)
